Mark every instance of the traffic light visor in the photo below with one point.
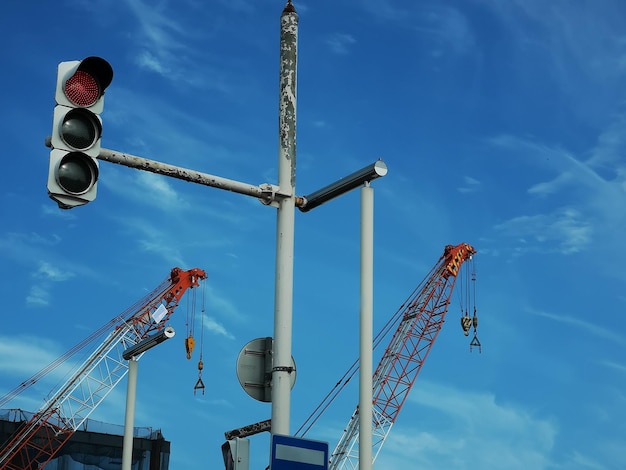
(86, 86)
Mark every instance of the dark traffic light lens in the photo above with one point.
(80, 129)
(77, 173)
(82, 89)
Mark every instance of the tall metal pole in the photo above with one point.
(283, 302)
(366, 328)
(129, 426)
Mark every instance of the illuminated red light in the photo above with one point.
(82, 89)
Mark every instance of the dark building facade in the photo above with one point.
(97, 446)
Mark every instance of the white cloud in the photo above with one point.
(470, 185)
(157, 188)
(25, 354)
(167, 45)
(474, 430)
(38, 294)
(213, 326)
(451, 29)
(38, 297)
(52, 273)
(586, 463)
(615, 366)
(224, 306)
(51, 209)
(563, 231)
(340, 43)
(156, 240)
(147, 60)
(146, 188)
(588, 327)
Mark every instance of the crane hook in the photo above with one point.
(476, 343)
(466, 324)
(189, 345)
(199, 384)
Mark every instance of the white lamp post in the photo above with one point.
(132, 354)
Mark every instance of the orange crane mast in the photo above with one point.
(37, 440)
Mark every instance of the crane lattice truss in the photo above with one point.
(37, 440)
(399, 366)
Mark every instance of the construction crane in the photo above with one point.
(419, 320)
(37, 440)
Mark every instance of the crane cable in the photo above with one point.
(157, 292)
(392, 323)
(466, 320)
(57, 362)
(189, 323)
(475, 342)
(200, 384)
(383, 333)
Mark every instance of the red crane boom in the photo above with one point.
(420, 320)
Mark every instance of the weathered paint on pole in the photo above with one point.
(283, 306)
(185, 174)
(266, 192)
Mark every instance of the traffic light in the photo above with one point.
(76, 130)
(236, 453)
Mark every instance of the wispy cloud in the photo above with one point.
(595, 184)
(38, 297)
(582, 461)
(564, 231)
(470, 185)
(222, 306)
(148, 61)
(587, 327)
(166, 42)
(581, 45)
(158, 189)
(212, 325)
(158, 241)
(615, 366)
(450, 28)
(446, 27)
(52, 273)
(39, 293)
(26, 354)
(568, 167)
(474, 427)
(340, 43)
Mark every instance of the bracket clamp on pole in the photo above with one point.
(271, 194)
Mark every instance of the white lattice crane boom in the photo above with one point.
(37, 440)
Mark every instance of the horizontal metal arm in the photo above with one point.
(265, 192)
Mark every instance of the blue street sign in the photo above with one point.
(295, 453)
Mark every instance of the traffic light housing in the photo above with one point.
(76, 130)
(236, 453)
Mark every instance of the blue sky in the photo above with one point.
(502, 124)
